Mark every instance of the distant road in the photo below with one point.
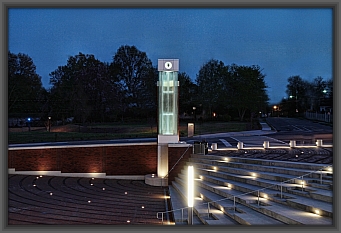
(294, 125)
(300, 129)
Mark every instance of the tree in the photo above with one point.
(26, 95)
(210, 84)
(329, 92)
(187, 93)
(81, 89)
(136, 77)
(246, 89)
(316, 92)
(297, 90)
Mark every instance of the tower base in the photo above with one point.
(153, 180)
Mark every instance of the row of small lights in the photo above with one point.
(227, 160)
(89, 201)
(330, 169)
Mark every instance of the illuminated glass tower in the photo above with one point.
(167, 110)
(168, 96)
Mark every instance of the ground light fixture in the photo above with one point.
(190, 194)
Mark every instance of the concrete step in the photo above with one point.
(292, 216)
(241, 214)
(256, 183)
(235, 189)
(265, 204)
(263, 168)
(215, 184)
(248, 175)
(179, 212)
(200, 209)
(264, 162)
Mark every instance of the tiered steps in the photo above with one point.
(246, 191)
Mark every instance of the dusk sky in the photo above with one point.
(284, 42)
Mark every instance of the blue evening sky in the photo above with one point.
(283, 41)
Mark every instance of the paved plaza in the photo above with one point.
(79, 201)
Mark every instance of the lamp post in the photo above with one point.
(195, 117)
(296, 104)
(29, 124)
(49, 124)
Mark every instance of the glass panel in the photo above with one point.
(168, 103)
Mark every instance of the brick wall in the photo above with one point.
(174, 153)
(112, 160)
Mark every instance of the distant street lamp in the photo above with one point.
(296, 105)
(49, 124)
(274, 110)
(195, 117)
(29, 124)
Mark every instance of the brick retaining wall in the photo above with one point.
(113, 160)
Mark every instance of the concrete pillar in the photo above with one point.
(190, 130)
(162, 160)
(319, 142)
(266, 144)
(240, 145)
(292, 143)
(214, 146)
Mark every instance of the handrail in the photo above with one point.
(176, 163)
(234, 197)
(167, 176)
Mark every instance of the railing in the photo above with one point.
(278, 186)
(167, 212)
(326, 117)
(175, 164)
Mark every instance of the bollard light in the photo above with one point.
(190, 186)
(190, 194)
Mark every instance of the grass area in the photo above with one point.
(113, 131)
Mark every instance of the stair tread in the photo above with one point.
(259, 173)
(289, 212)
(263, 166)
(316, 190)
(249, 215)
(326, 206)
(296, 207)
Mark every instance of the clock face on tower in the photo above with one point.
(168, 65)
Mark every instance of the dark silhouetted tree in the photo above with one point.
(26, 95)
(82, 89)
(137, 79)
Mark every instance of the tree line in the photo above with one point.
(90, 90)
(303, 95)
